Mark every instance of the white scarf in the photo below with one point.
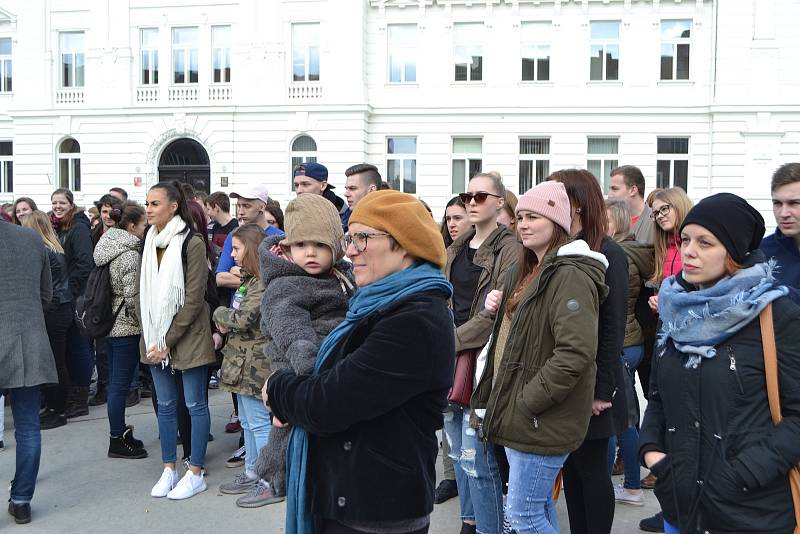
(161, 287)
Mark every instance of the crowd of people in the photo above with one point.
(350, 331)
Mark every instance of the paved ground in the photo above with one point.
(81, 490)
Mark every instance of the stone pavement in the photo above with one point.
(81, 490)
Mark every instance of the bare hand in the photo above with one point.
(217, 340)
(264, 395)
(599, 406)
(222, 329)
(156, 356)
(236, 271)
(653, 457)
(653, 303)
(493, 300)
(277, 423)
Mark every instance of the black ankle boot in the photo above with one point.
(124, 447)
(78, 402)
(51, 419)
(21, 512)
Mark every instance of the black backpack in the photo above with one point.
(93, 313)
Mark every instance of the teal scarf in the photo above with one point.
(370, 299)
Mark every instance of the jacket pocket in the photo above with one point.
(232, 369)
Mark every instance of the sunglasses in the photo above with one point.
(479, 197)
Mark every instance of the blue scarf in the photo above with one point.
(696, 321)
(367, 300)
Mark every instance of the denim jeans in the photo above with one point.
(79, 357)
(25, 411)
(530, 507)
(256, 422)
(629, 439)
(123, 361)
(480, 490)
(195, 382)
(2, 416)
(101, 361)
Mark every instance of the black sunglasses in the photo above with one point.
(480, 197)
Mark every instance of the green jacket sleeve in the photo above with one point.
(248, 316)
(573, 312)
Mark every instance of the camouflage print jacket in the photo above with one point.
(244, 368)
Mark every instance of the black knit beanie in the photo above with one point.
(737, 224)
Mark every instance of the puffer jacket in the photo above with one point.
(641, 262)
(726, 465)
(244, 366)
(496, 255)
(121, 249)
(541, 401)
(298, 311)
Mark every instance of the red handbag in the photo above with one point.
(463, 378)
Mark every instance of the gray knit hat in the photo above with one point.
(314, 218)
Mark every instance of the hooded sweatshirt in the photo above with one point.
(122, 250)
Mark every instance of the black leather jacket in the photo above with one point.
(58, 273)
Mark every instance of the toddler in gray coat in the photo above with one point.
(307, 287)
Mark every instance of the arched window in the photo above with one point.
(69, 164)
(304, 148)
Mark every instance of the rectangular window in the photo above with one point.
(535, 42)
(149, 56)
(534, 161)
(5, 65)
(72, 59)
(467, 161)
(6, 167)
(672, 165)
(675, 43)
(604, 51)
(602, 157)
(401, 163)
(185, 62)
(305, 52)
(402, 53)
(468, 51)
(221, 53)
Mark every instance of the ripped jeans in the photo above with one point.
(477, 475)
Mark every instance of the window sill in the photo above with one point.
(468, 84)
(402, 84)
(535, 83)
(604, 83)
(679, 83)
(6, 93)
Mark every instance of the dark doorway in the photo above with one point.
(185, 160)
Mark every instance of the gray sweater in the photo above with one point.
(298, 311)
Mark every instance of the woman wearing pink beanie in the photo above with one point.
(538, 383)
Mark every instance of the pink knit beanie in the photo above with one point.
(550, 200)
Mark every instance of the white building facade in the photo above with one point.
(698, 93)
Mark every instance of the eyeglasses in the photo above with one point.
(359, 239)
(663, 211)
(480, 197)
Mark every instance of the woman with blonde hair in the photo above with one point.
(670, 207)
(58, 318)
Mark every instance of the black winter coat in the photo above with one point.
(372, 413)
(609, 383)
(726, 465)
(78, 252)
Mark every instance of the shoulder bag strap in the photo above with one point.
(773, 396)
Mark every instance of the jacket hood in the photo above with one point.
(641, 254)
(578, 254)
(112, 244)
(273, 267)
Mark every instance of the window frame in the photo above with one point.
(403, 158)
(467, 158)
(674, 43)
(535, 159)
(152, 54)
(469, 44)
(226, 56)
(671, 158)
(306, 46)
(604, 43)
(73, 160)
(7, 168)
(607, 160)
(535, 43)
(405, 50)
(6, 68)
(75, 55)
(186, 50)
(297, 157)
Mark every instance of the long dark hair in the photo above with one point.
(131, 213)
(26, 200)
(274, 208)
(528, 267)
(455, 201)
(200, 226)
(69, 217)
(586, 198)
(175, 194)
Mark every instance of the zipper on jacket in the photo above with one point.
(535, 423)
(735, 371)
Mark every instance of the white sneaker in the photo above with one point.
(189, 486)
(621, 495)
(167, 481)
